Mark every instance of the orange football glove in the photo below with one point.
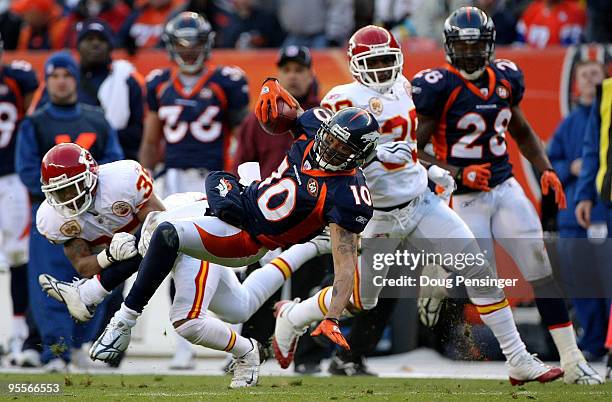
(271, 90)
(475, 177)
(331, 329)
(549, 180)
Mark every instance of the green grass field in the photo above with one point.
(193, 388)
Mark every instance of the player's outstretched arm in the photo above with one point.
(532, 148)
(271, 92)
(344, 251)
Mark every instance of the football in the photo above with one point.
(283, 122)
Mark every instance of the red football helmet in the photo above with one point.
(69, 175)
(375, 58)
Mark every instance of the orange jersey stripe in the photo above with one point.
(232, 341)
(200, 282)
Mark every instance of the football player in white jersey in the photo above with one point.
(404, 207)
(93, 212)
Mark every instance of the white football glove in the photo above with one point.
(123, 246)
(394, 152)
(443, 178)
(146, 232)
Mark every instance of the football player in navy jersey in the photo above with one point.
(18, 83)
(193, 107)
(465, 109)
(318, 183)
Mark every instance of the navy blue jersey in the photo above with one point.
(296, 202)
(196, 124)
(16, 81)
(472, 121)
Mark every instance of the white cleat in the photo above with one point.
(184, 358)
(580, 372)
(529, 368)
(431, 298)
(286, 335)
(322, 242)
(68, 293)
(113, 341)
(246, 368)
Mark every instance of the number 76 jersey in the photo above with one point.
(391, 184)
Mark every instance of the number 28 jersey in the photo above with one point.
(391, 184)
(297, 201)
(472, 121)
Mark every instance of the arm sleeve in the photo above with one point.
(27, 158)
(427, 91)
(557, 156)
(585, 189)
(113, 151)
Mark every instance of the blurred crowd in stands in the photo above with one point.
(246, 24)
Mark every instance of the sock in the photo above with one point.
(19, 327)
(119, 272)
(498, 317)
(155, 266)
(565, 341)
(265, 281)
(312, 309)
(19, 289)
(553, 312)
(92, 291)
(127, 315)
(213, 333)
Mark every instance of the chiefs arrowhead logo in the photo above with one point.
(121, 208)
(70, 229)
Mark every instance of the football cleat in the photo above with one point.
(286, 335)
(529, 368)
(431, 298)
(246, 368)
(322, 242)
(68, 293)
(113, 342)
(340, 366)
(580, 372)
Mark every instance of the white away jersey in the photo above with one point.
(390, 184)
(123, 187)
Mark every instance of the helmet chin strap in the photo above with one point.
(472, 76)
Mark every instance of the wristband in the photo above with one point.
(104, 258)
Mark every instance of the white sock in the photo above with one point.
(565, 341)
(502, 324)
(213, 333)
(127, 315)
(92, 291)
(312, 309)
(19, 327)
(264, 282)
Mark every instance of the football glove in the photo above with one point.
(331, 329)
(443, 179)
(475, 177)
(397, 152)
(550, 180)
(271, 90)
(146, 232)
(122, 247)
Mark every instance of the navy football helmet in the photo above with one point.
(347, 140)
(189, 39)
(469, 41)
